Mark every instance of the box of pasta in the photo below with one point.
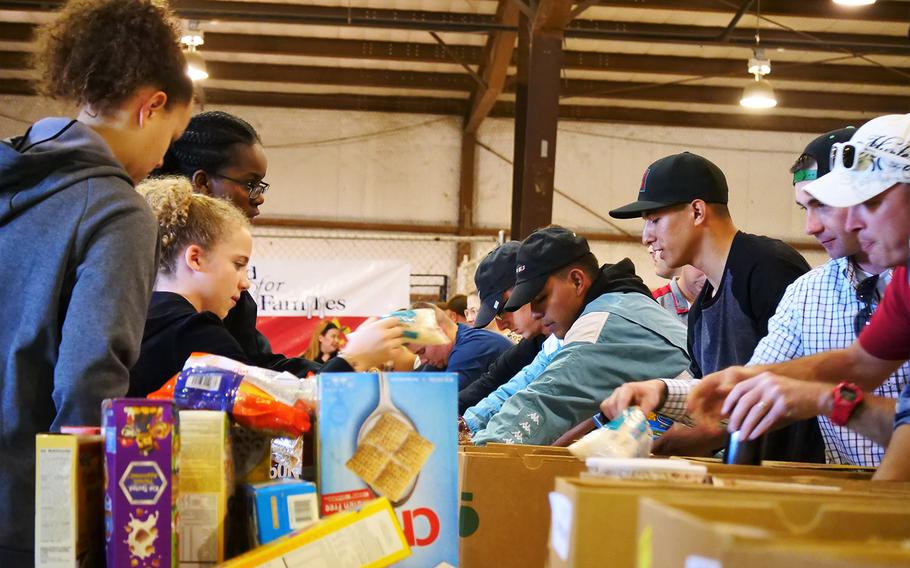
(394, 435)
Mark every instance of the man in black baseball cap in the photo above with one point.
(542, 253)
(614, 332)
(495, 276)
(683, 202)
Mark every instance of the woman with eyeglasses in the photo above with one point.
(222, 155)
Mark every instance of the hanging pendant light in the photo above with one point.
(758, 94)
(854, 2)
(195, 64)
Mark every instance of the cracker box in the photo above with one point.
(69, 520)
(281, 507)
(140, 464)
(206, 485)
(394, 435)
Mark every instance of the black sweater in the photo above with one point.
(173, 331)
(241, 324)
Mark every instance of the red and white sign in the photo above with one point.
(294, 296)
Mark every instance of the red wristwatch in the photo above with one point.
(847, 397)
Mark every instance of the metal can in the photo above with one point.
(743, 452)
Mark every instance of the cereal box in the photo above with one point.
(280, 507)
(140, 466)
(206, 485)
(368, 538)
(68, 500)
(394, 435)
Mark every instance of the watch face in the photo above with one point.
(847, 394)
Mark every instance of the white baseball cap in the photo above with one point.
(876, 157)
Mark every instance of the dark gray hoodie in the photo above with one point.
(77, 259)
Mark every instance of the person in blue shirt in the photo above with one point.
(469, 353)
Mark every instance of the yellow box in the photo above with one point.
(206, 484)
(370, 537)
(69, 497)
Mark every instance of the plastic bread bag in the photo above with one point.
(260, 399)
(420, 326)
(626, 436)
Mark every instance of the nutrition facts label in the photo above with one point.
(55, 530)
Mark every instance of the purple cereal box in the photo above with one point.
(140, 471)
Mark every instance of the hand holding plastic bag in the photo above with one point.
(420, 326)
(626, 436)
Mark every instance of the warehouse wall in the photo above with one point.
(378, 167)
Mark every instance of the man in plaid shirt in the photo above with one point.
(828, 307)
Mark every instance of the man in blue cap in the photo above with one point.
(613, 332)
(494, 279)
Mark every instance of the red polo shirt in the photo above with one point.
(888, 334)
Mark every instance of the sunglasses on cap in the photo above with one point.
(849, 155)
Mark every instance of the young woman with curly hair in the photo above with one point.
(205, 248)
(77, 243)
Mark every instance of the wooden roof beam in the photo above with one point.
(254, 73)
(882, 11)
(494, 68)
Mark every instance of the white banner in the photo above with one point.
(325, 289)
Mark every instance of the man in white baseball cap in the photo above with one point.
(870, 175)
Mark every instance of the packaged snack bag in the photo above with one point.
(260, 399)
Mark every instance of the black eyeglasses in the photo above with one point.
(256, 188)
(865, 294)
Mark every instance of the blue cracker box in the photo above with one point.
(140, 473)
(280, 507)
(394, 435)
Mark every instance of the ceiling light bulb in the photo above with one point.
(854, 2)
(758, 94)
(195, 66)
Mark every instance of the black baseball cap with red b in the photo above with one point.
(676, 179)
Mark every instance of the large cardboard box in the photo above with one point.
(206, 485)
(505, 514)
(743, 532)
(69, 495)
(394, 435)
(589, 516)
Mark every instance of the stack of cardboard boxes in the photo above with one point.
(797, 514)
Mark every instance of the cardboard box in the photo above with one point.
(505, 513)
(69, 494)
(140, 461)
(279, 508)
(370, 537)
(682, 531)
(394, 435)
(206, 485)
(589, 516)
